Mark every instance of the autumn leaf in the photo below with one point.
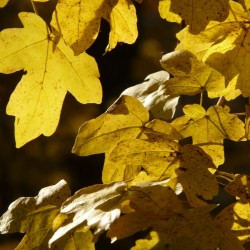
(194, 176)
(236, 217)
(3, 3)
(150, 202)
(34, 216)
(37, 100)
(79, 22)
(95, 206)
(196, 13)
(225, 47)
(209, 129)
(149, 157)
(152, 95)
(191, 76)
(123, 120)
(240, 187)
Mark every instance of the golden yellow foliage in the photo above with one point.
(209, 129)
(196, 13)
(37, 100)
(3, 3)
(191, 76)
(123, 120)
(79, 22)
(236, 217)
(34, 216)
(225, 47)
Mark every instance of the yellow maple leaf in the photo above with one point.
(52, 70)
(196, 13)
(225, 47)
(191, 76)
(209, 129)
(79, 22)
(34, 216)
(123, 120)
(3, 3)
(236, 217)
(149, 157)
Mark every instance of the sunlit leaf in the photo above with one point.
(225, 47)
(96, 206)
(123, 120)
(79, 22)
(3, 3)
(153, 96)
(209, 129)
(34, 216)
(196, 13)
(191, 76)
(149, 157)
(52, 70)
(236, 217)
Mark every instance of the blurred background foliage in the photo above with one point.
(45, 161)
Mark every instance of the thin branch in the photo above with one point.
(201, 98)
(34, 7)
(224, 175)
(221, 101)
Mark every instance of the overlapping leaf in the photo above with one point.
(240, 187)
(149, 157)
(96, 206)
(209, 129)
(191, 76)
(79, 22)
(225, 47)
(123, 120)
(196, 13)
(236, 217)
(34, 216)
(153, 96)
(52, 70)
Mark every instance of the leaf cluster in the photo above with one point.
(153, 180)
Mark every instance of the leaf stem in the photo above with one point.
(224, 175)
(221, 101)
(34, 7)
(201, 98)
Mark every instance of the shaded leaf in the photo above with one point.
(191, 76)
(194, 176)
(240, 187)
(225, 47)
(123, 120)
(34, 216)
(236, 217)
(196, 13)
(153, 96)
(96, 206)
(209, 129)
(37, 100)
(84, 17)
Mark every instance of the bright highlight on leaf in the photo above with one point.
(191, 76)
(79, 22)
(196, 13)
(209, 129)
(153, 96)
(34, 216)
(37, 100)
